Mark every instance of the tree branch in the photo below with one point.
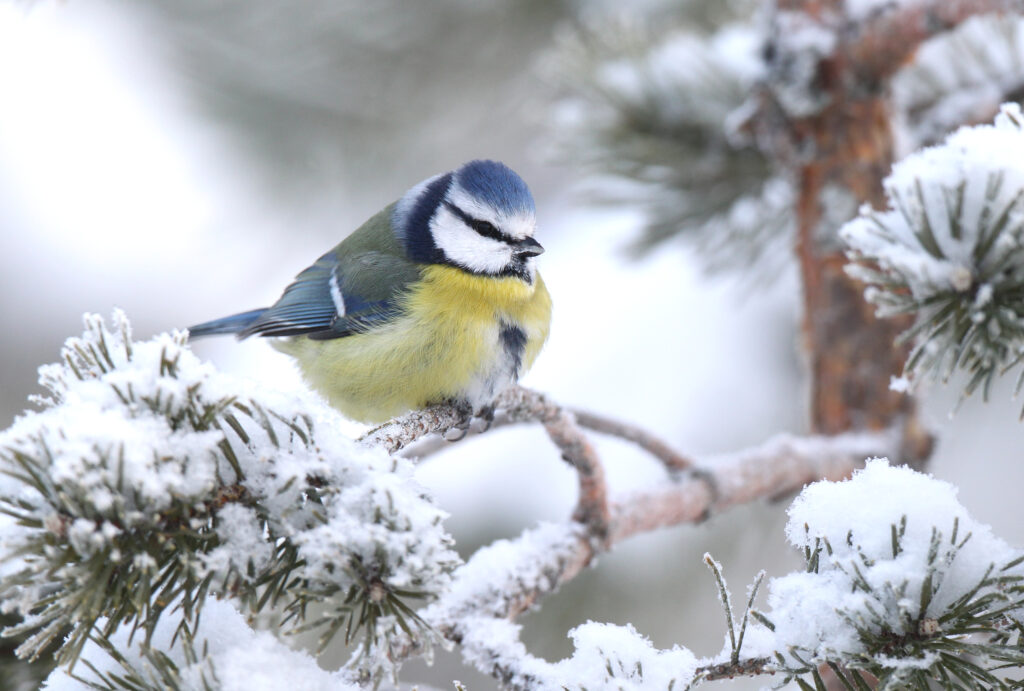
(881, 44)
(419, 433)
(502, 581)
(642, 438)
(592, 505)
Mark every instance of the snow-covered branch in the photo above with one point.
(151, 484)
(150, 481)
(886, 591)
(506, 579)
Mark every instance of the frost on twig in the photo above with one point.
(949, 251)
(150, 481)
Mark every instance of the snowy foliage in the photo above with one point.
(800, 42)
(651, 112)
(949, 250)
(149, 478)
(898, 574)
(233, 651)
(959, 77)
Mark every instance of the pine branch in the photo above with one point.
(947, 253)
(150, 482)
(649, 102)
(883, 43)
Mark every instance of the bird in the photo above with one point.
(435, 299)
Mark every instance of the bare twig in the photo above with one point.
(741, 668)
(592, 505)
(516, 405)
(513, 406)
(641, 437)
(420, 433)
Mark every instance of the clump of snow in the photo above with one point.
(606, 656)
(611, 656)
(141, 447)
(239, 658)
(974, 178)
(878, 538)
(533, 561)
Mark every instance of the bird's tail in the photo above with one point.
(226, 325)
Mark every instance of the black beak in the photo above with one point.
(528, 247)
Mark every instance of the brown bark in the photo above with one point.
(847, 145)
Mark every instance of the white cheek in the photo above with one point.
(466, 247)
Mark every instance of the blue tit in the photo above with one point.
(435, 299)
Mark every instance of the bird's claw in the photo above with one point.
(450, 434)
(487, 415)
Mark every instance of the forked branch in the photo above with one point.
(541, 560)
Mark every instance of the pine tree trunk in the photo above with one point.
(845, 150)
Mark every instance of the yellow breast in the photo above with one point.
(458, 337)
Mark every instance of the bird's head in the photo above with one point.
(479, 218)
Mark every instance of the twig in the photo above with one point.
(752, 667)
(641, 437)
(516, 405)
(419, 433)
(592, 505)
(394, 435)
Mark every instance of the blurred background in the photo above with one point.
(184, 160)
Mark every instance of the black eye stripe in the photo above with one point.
(484, 228)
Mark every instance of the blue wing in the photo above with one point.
(353, 288)
(307, 305)
(326, 300)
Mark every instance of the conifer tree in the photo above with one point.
(165, 523)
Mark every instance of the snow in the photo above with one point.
(610, 656)
(813, 612)
(235, 650)
(531, 561)
(680, 62)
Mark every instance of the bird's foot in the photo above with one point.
(487, 415)
(459, 431)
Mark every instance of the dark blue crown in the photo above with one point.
(496, 184)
